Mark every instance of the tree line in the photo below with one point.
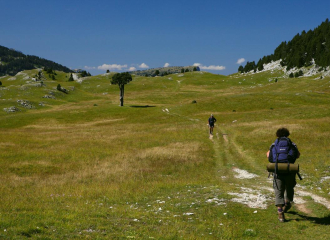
(12, 62)
(300, 51)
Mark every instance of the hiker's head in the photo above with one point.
(211, 115)
(282, 132)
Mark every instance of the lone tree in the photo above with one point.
(121, 79)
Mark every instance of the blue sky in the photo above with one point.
(126, 35)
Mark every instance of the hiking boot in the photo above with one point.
(281, 216)
(287, 207)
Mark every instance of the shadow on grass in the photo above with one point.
(146, 106)
(317, 220)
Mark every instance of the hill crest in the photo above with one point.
(305, 49)
(162, 71)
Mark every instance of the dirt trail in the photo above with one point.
(225, 137)
(249, 193)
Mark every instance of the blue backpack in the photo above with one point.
(283, 150)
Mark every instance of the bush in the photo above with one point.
(85, 74)
(298, 74)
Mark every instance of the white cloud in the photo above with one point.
(112, 67)
(166, 65)
(132, 69)
(89, 68)
(240, 61)
(143, 65)
(211, 67)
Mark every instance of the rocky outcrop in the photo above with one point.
(25, 104)
(11, 109)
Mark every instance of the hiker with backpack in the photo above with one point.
(283, 150)
(211, 121)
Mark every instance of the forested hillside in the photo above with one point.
(12, 62)
(303, 50)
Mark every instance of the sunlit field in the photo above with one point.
(79, 166)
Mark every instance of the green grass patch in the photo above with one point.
(79, 166)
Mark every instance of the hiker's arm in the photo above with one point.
(270, 154)
(296, 151)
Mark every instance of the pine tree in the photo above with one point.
(71, 78)
(241, 69)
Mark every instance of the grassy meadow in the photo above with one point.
(79, 166)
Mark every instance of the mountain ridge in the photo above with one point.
(161, 71)
(13, 61)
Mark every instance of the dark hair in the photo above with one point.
(282, 132)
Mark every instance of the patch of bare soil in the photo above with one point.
(225, 137)
(304, 209)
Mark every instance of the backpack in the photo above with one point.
(283, 150)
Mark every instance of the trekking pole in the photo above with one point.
(299, 176)
(276, 168)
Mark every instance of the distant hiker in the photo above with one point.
(283, 150)
(212, 120)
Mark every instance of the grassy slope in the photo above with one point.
(82, 167)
